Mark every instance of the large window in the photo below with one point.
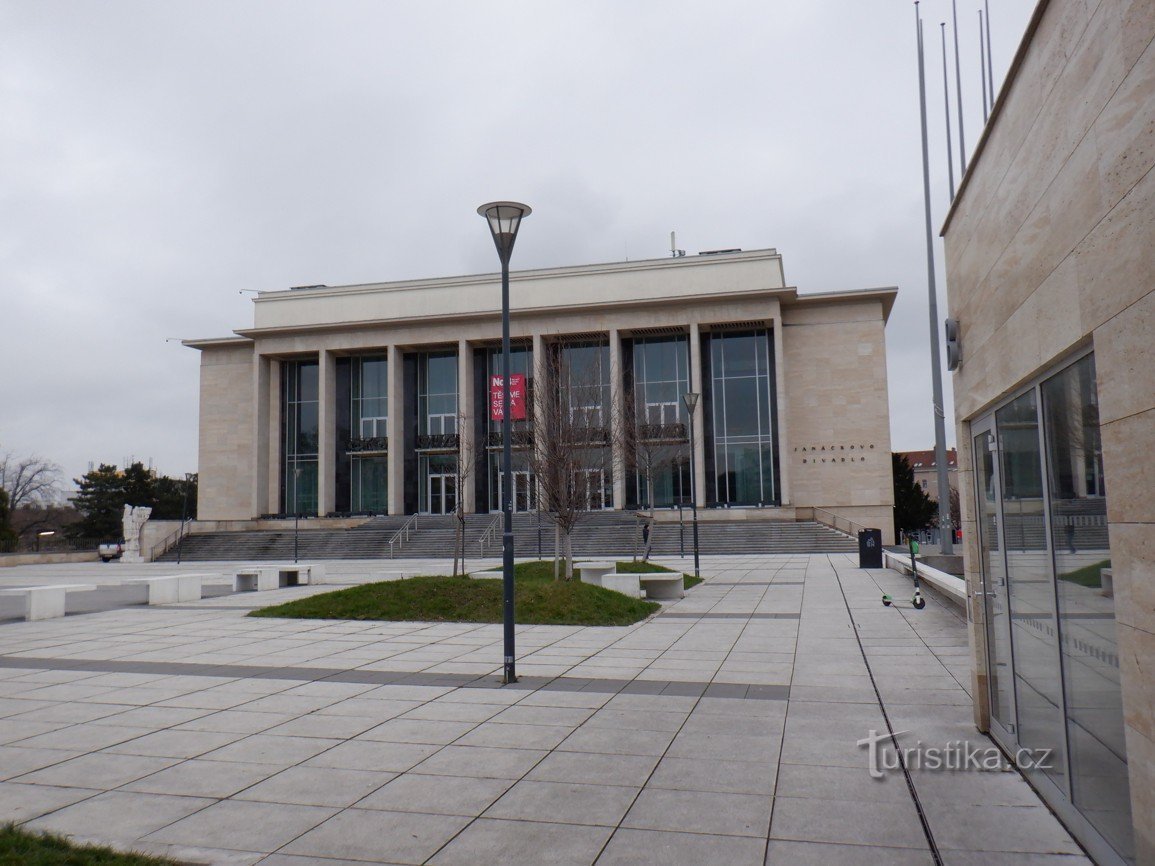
(437, 393)
(369, 421)
(659, 448)
(741, 398)
(299, 429)
(523, 483)
(584, 384)
(1045, 545)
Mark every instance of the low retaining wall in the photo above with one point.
(9, 560)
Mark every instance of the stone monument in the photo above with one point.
(132, 523)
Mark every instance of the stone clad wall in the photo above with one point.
(225, 460)
(1050, 248)
(837, 412)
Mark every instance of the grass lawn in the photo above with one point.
(24, 848)
(539, 600)
(1088, 575)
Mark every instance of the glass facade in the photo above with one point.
(660, 448)
(1051, 645)
(523, 482)
(585, 395)
(437, 440)
(369, 423)
(299, 436)
(741, 398)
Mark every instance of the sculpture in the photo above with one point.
(132, 523)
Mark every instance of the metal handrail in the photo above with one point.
(402, 534)
(490, 534)
(852, 529)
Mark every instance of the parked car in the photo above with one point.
(110, 550)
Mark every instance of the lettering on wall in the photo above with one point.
(856, 453)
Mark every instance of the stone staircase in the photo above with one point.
(597, 534)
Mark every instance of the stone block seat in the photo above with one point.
(260, 578)
(46, 602)
(593, 572)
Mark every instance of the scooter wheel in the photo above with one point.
(886, 600)
(919, 602)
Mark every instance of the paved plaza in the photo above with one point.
(724, 730)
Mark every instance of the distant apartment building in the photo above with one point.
(925, 467)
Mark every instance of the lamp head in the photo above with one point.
(504, 219)
(691, 401)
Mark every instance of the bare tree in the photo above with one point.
(651, 448)
(572, 459)
(469, 455)
(30, 481)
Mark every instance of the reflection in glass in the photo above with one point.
(370, 397)
(520, 364)
(370, 484)
(995, 583)
(1078, 509)
(1034, 631)
(299, 431)
(742, 412)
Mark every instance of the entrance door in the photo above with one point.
(524, 491)
(442, 493)
(994, 572)
(589, 489)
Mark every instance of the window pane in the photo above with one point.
(1087, 612)
(1034, 631)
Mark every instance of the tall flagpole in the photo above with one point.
(962, 143)
(946, 105)
(946, 532)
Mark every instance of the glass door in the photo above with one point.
(524, 492)
(1000, 665)
(442, 494)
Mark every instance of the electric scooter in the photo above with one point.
(917, 602)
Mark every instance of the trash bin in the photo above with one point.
(870, 548)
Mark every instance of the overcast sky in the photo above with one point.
(157, 159)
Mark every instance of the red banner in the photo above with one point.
(516, 398)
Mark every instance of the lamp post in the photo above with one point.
(48, 533)
(504, 219)
(296, 508)
(691, 401)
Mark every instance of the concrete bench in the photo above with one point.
(261, 578)
(593, 572)
(626, 584)
(663, 585)
(174, 588)
(487, 575)
(46, 602)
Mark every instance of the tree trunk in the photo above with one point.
(556, 552)
(456, 543)
(568, 555)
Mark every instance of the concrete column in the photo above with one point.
(699, 415)
(469, 455)
(541, 386)
(783, 443)
(261, 452)
(396, 432)
(273, 434)
(617, 420)
(326, 433)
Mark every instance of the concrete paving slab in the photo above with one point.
(659, 848)
(243, 826)
(316, 786)
(389, 837)
(490, 840)
(120, 815)
(437, 795)
(565, 803)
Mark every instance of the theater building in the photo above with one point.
(1050, 271)
(367, 399)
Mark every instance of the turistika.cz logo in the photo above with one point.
(955, 755)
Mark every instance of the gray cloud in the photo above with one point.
(156, 159)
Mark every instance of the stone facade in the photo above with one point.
(1050, 253)
(828, 358)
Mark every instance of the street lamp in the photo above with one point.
(691, 401)
(504, 219)
(48, 533)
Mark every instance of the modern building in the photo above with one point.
(1050, 248)
(370, 399)
(925, 466)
